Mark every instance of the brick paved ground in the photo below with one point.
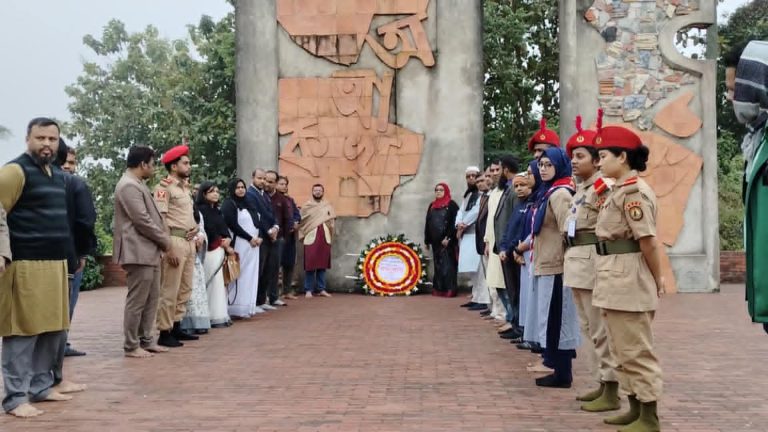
(355, 363)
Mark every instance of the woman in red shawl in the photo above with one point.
(440, 235)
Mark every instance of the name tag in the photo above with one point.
(571, 227)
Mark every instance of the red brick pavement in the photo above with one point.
(355, 363)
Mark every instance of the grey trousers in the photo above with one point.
(140, 305)
(28, 362)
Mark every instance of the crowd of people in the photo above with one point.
(193, 261)
(562, 252)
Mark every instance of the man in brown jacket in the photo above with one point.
(139, 239)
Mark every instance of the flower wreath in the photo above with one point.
(404, 259)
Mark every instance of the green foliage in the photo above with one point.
(520, 48)
(92, 277)
(143, 89)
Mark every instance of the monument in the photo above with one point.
(378, 100)
(620, 55)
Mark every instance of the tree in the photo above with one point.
(144, 89)
(520, 44)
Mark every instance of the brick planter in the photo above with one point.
(113, 274)
(733, 267)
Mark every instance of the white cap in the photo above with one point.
(473, 169)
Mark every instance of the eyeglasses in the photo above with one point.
(545, 165)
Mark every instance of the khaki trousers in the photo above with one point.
(176, 285)
(601, 363)
(631, 341)
(140, 305)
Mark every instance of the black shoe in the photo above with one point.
(537, 349)
(71, 352)
(182, 335)
(468, 304)
(485, 312)
(507, 332)
(201, 331)
(512, 337)
(166, 339)
(478, 307)
(552, 381)
(524, 346)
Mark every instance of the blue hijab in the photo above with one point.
(562, 178)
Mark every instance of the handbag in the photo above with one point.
(231, 268)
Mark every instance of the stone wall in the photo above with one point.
(733, 267)
(620, 56)
(378, 100)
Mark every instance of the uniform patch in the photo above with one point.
(161, 195)
(599, 203)
(634, 210)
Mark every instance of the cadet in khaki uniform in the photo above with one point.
(629, 281)
(580, 268)
(174, 200)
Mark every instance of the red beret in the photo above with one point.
(175, 153)
(615, 136)
(543, 136)
(582, 138)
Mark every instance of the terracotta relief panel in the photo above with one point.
(337, 30)
(340, 135)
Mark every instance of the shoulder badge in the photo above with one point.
(166, 182)
(630, 181)
(161, 195)
(600, 186)
(634, 210)
(599, 203)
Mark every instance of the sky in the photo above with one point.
(42, 52)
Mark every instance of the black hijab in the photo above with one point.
(239, 201)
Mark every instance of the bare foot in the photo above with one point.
(308, 295)
(290, 297)
(325, 293)
(539, 368)
(69, 387)
(25, 410)
(55, 396)
(504, 327)
(138, 353)
(155, 348)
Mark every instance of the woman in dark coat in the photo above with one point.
(440, 235)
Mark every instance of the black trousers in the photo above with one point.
(511, 272)
(269, 267)
(560, 360)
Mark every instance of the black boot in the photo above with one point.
(166, 339)
(180, 334)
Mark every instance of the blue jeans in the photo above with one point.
(504, 297)
(74, 293)
(309, 280)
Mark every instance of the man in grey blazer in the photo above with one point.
(138, 241)
(511, 297)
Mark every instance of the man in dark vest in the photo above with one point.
(34, 300)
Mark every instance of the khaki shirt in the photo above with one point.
(624, 281)
(548, 246)
(174, 200)
(579, 268)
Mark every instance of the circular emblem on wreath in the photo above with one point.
(580, 139)
(542, 137)
(598, 140)
(391, 265)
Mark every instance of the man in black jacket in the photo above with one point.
(81, 216)
(269, 259)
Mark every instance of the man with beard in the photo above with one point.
(316, 231)
(283, 211)
(288, 257)
(510, 296)
(465, 224)
(257, 198)
(174, 200)
(480, 296)
(494, 273)
(34, 302)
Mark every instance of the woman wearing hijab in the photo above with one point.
(440, 235)
(558, 328)
(242, 220)
(207, 203)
